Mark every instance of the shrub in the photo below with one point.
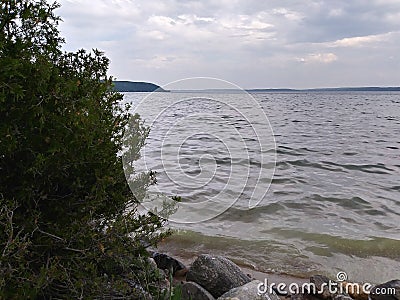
(69, 227)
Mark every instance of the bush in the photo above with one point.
(69, 227)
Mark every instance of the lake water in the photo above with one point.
(315, 190)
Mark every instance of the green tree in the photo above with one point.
(69, 227)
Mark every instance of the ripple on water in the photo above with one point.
(334, 201)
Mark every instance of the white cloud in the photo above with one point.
(288, 14)
(360, 41)
(162, 21)
(318, 58)
(191, 18)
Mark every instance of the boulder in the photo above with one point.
(386, 291)
(166, 262)
(321, 284)
(249, 291)
(191, 291)
(302, 297)
(298, 297)
(216, 274)
(355, 290)
(152, 264)
(342, 297)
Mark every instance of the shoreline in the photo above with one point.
(255, 274)
(264, 260)
(201, 273)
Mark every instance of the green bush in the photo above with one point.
(69, 227)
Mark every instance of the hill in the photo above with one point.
(129, 86)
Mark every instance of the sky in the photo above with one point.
(251, 43)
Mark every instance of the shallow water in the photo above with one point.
(330, 202)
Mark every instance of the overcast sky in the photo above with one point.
(252, 43)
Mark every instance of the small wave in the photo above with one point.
(352, 203)
(367, 168)
(378, 246)
(283, 180)
(249, 215)
(350, 153)
(307, 163)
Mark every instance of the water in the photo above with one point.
(333, 203)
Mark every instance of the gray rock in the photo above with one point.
(303, 297)
(193, 291)
(386, 291)
(166, 262)
(216, 274)
(298, 297)
(152, 264)
(342, 297)
(355, 290)
(322, 290)
(249, 291)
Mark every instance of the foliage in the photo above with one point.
(69, 226)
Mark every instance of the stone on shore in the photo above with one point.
(249, 291)
(385, 291)
(191, 291)
(342, 297)
(216, 274)
(166, 262)
(321, 284)
(302, 297)
(355, 290)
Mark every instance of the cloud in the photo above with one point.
(288, 14)
(360, 41)
(251, 42)
(318, 58)
(326, 21)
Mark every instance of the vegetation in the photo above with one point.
(69, 227)
(128, 86)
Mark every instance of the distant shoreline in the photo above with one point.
(284, 90)
(340, 89)
(131, 86)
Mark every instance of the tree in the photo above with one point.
(69, 225)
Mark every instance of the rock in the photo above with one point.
(191, 291)
(298, 297)
(249, 291)
(302, 297)
(321, 284)
(216, 274)
(166, 262)
(354, 290)
(342, 297)
(152, 263)
(386, 291)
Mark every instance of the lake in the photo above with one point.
(297, 183)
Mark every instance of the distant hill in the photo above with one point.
(129, 86)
